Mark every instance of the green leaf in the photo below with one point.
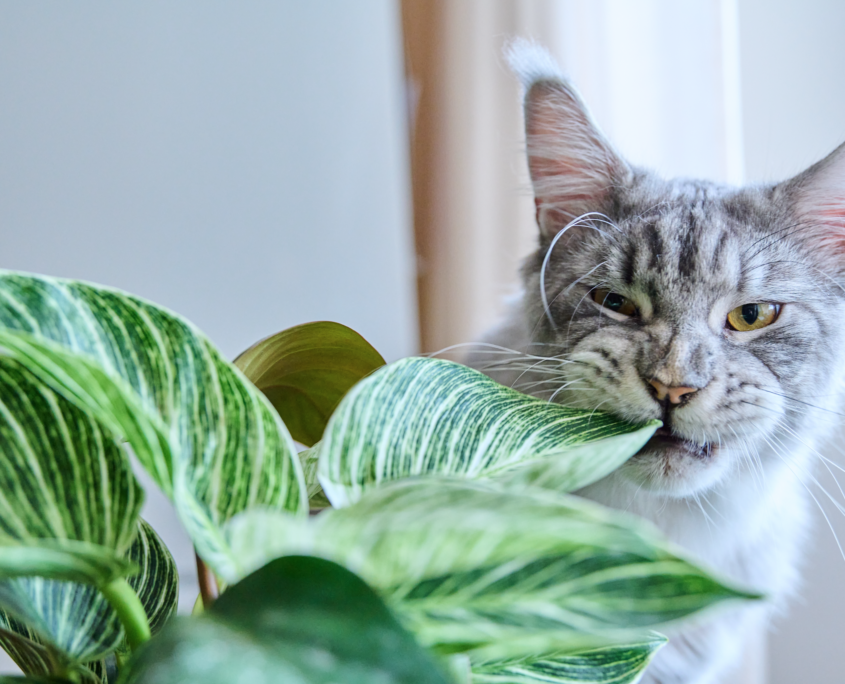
(466, 564)
(61, 625)
(305, 371)
(309, 460)
(300, 620)
(434, 417)
(144, 373)
(62, 477)
(618, 664)
(33, 680)
(157, 582)
(63, 560)
(68, 500)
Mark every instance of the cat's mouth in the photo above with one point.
(664, 442)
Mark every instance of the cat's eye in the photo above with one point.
(753, 316)
(614, 302)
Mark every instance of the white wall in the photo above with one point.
(660, 79)
(243, 163)
(793, 60)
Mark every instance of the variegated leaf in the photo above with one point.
(306, 370)
(68, 500)
(61, 559)
(62, 477)
(71, 626)
(434, 417)
(152, 377)
(618, 664)
(467, 563)
(157, 582)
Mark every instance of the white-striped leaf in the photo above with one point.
(68, 500)
(62, 477)
(71, 626)
(63, 560)
(434, 417)
(157, 581)
(466, 563)
(619, 664)
(152, 377)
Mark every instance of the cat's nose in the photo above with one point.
(675, 394)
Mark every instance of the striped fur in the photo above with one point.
(730, 486)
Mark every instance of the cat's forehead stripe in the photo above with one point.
(680, 248)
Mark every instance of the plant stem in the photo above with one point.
(130, 611)
(208, 583)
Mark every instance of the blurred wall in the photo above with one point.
(244, 164)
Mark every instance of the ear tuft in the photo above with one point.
(531, 63)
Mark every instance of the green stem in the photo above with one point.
(130, 611)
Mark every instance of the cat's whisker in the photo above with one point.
(810, 493)
(792, 411)
(556, 382)
(578, 220)
(751, 451)
(572, 317)
(536, 367)
(772, 239)
(801, 401)
(566, 290)
(634, 497)
(593, 412)
(755, 466)
(825, 461)
(565, 386)
(707, 517)
(487, 348)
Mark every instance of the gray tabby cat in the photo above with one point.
(714, 309)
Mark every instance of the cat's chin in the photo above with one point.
(674, 466)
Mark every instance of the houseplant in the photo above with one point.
(470, 563)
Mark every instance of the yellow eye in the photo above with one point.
(753, 316)
(614, 302)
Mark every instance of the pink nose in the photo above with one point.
(674, 393)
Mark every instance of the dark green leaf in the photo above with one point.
(305, 371)
(301, 620)
(33, 680)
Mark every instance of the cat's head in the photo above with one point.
(719, 311)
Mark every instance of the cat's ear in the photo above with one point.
(573, 167)
(817, 201)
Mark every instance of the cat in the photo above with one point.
(715, 309)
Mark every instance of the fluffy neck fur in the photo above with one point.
(728, 479)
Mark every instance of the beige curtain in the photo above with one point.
(473, 212)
